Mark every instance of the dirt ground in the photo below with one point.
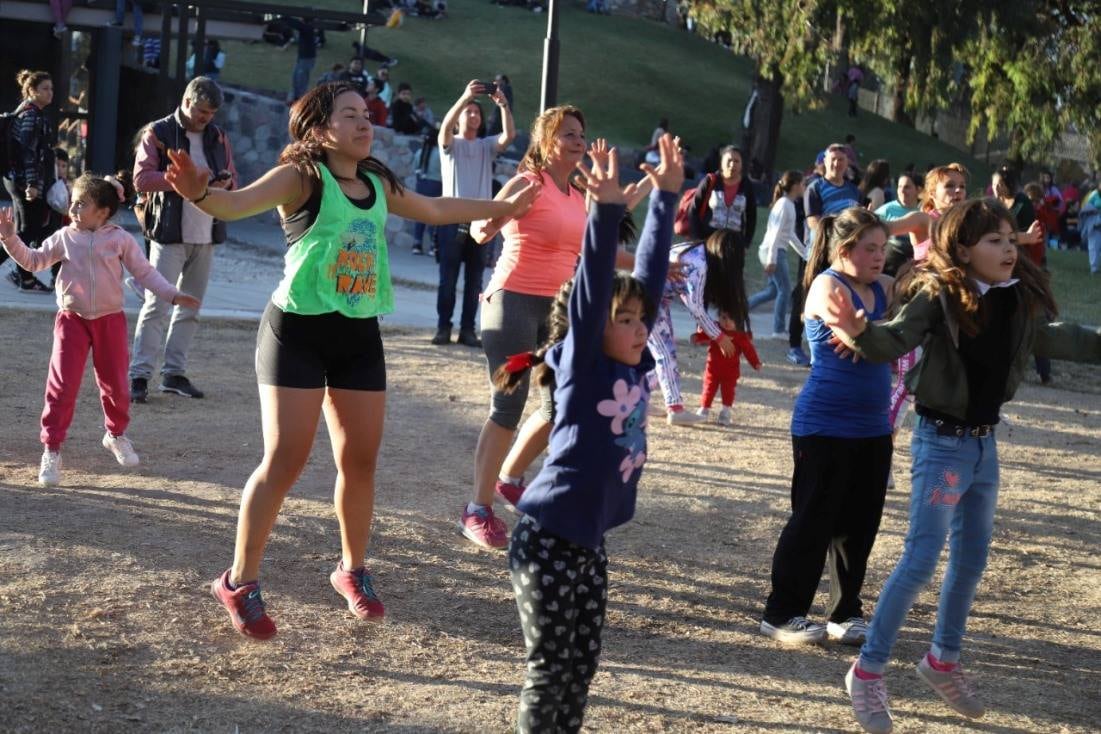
(106, 623)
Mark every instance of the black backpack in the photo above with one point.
(9, 148)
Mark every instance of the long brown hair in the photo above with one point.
(838, 233)
(724, 287)
(935, 176)
(543, 133)
(309, 116)
(963, 225)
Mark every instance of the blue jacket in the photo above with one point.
(598, 444)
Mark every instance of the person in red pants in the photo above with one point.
(722, 371)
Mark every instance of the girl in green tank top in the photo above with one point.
(340, 266)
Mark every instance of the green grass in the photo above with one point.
(1077, 293)
(625, 73)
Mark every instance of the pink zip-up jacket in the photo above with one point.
(90, 280)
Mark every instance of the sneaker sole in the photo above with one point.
(232, 621)
(792, 638)
(473, 539)
(923, 671)
(176, 391)
(836, 634)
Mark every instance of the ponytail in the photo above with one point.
(819, 257)
(785, 184)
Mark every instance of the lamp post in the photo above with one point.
(548, 96)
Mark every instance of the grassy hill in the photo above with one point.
(625, 73)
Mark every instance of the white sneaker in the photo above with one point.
(121, 448)
(778, 335)
(49, 469)
(684, 418)
(796, 631)
(954, 687)
(850, 632)
(725, 417)
(869, 699)
(704, 413)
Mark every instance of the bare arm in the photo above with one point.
(447, 210)
(508, 125)
(484, 230)
(451, 119)
(282, 186)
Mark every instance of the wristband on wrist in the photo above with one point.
(206, 193)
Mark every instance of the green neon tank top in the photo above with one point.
(341, 263)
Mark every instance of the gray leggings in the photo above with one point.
(513, 323)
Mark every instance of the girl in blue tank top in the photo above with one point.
(841, 441)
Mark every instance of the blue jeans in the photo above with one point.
(455, 250)
(955, 491)
(300, 79)
(1093, 244)
(120, 14)
(778, 287)
(427, 187)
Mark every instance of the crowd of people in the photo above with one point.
(947, 288)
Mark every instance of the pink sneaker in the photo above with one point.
(483, 528)
(358, 590)
(245, 607)
(508, 492)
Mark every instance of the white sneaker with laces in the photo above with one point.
(954, 687)
(725, 417)
(121, 448)
(869, 699)
(850, 632)
(796, 631)
(49, 469)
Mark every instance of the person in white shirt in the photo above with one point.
(773, 250)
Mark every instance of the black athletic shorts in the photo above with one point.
(328, 350)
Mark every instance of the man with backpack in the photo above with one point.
(183, 236)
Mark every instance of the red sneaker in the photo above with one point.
(358, 590)
(245, 607)
(509, 493)
(484, 529)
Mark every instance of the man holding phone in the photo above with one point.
(183, 236)
(466, 167)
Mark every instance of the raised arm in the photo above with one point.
(49, 253)
(508, 124)
(652, 255)
(451, 119)
(882, 342)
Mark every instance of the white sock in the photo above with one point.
(473, 506)
(506, 479)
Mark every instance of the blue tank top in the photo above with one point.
(842, 399)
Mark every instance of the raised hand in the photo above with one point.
(473, 89)
(669, 173)
(841, 317)
(524, 198)
(186, 301)
(7, 223)
(184, 176)
(601, 182)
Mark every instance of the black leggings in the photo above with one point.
(837, 494)
(561, 593)
(795, 320)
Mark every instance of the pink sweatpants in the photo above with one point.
(73, 336)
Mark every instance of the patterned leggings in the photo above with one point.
(663, 345)
(561, 592)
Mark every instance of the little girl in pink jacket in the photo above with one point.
(92, 252)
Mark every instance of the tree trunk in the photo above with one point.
(764, 130)
(902, 84)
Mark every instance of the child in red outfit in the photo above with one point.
(92, 252)
(722, 371)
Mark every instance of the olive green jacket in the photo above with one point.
(939, 379)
